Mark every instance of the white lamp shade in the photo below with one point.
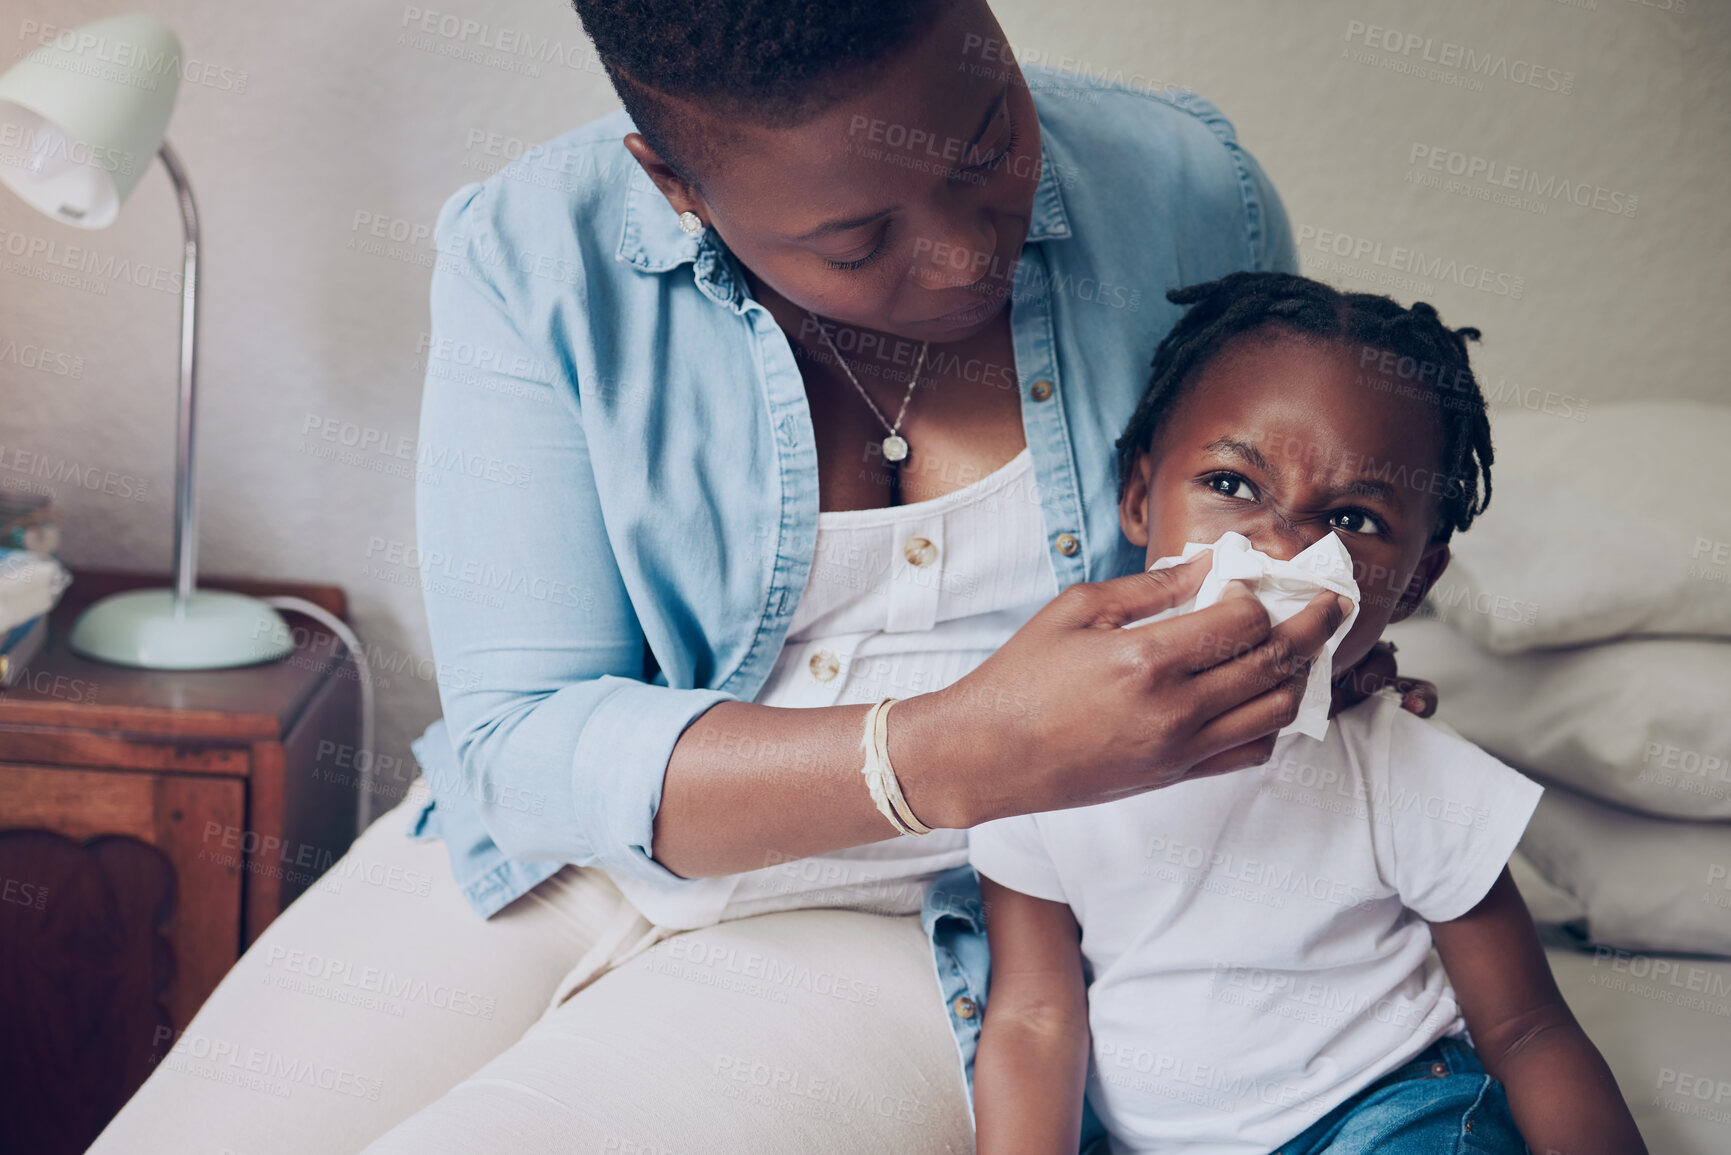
(81, 117)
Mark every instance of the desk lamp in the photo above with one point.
(80, 119)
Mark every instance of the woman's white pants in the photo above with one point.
(379, 1012)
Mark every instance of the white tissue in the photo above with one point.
(1283, 588)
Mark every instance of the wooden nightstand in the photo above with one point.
(152, 824)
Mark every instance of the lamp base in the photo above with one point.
(219, 629)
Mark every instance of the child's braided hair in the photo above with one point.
(1426, 353)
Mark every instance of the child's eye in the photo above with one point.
(1231, 485)
(1357, 521)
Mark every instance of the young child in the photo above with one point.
(1246, 958)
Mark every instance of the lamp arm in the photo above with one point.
(185, 507)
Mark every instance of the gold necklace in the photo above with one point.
(895, 446)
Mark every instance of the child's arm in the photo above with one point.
(1560, 1090)
(1032, 1062)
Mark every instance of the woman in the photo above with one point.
(800, 384)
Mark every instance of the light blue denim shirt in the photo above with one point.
(631, 464)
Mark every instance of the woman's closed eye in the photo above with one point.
(877, 250)
(998, 157)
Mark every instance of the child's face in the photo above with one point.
(1285, 440)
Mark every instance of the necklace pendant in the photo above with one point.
(895, 448)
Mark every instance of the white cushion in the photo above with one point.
(1647, 884)
(1643, 724)
(1615, 524)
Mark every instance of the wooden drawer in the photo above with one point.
(172, 812)
(152, 824)
(110, 749)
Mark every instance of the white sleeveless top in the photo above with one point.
(901, 601)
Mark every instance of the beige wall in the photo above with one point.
(307, 118)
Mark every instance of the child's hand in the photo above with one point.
(1372, 674)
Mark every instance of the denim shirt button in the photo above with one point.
(1041, 390)
(1067, 544)
(964, 1007)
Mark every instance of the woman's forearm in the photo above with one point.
(748, 786)
(1071, 711)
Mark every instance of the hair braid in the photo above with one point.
(1243, 303)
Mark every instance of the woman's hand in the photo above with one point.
(1376, 671)
(1074, 710)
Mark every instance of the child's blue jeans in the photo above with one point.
(1439, 1103)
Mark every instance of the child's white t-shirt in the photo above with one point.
(1257, 941)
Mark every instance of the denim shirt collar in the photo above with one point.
(651, 240)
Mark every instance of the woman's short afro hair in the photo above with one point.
(773, 63)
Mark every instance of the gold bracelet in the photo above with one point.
(886, 789)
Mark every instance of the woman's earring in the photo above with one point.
(690, 223)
